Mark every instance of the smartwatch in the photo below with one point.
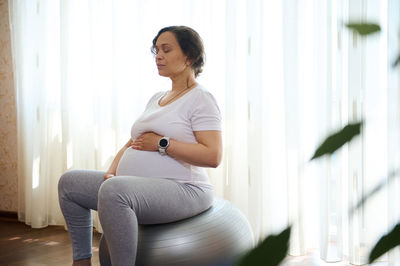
(163, 144)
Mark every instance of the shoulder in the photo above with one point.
(203, 101)
(201, 93)
(205, 114)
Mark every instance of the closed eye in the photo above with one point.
(165, 48)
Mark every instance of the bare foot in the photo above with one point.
(84, 262)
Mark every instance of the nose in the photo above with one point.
(159, 56)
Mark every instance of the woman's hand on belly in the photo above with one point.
(147, 142)
(207, 152)
(107, 176)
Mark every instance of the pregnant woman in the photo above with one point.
(159, 175)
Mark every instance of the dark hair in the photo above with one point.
(190, 42)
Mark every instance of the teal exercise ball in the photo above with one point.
(213, 237)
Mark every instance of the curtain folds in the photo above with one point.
(285, 74)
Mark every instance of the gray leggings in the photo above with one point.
(123, 202)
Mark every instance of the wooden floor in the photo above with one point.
(22, 245)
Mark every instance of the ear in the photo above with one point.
(188, 62)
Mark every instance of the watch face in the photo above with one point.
(163, 143)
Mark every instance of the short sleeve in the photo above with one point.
(206, 113)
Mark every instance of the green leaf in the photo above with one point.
(397, 61)
(271, 252)
(364, 28)
(386, 243)
(338, 139)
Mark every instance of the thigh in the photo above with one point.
(158, 200)
(81, 186)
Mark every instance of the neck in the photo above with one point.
(182, 82)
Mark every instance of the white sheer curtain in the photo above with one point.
(285, 73)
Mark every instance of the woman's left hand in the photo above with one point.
(147, 142)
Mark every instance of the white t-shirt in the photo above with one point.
(197, 110)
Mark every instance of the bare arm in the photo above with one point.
(113, 167)
(207, 152)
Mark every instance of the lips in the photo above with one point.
(160, 66)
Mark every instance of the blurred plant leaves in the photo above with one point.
(397, 61)
(338, 139)
(364, 29)
(376, 189)
(386, 243)
(271, 252)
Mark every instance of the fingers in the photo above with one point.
(147, 142)
(107, 176)
(137, 144)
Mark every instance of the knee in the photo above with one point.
(66, 182)
(112, 194)
(108, 191)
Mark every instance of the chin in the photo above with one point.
(163, 74)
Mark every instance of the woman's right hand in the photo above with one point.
(112, 169)
(107, 176)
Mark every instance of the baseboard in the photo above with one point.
(9, 215)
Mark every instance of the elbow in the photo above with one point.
(215, 160)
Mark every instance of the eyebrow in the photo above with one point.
(162, 45)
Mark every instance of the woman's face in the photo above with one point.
(170, 59)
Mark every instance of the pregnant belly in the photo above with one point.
(152, 164)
